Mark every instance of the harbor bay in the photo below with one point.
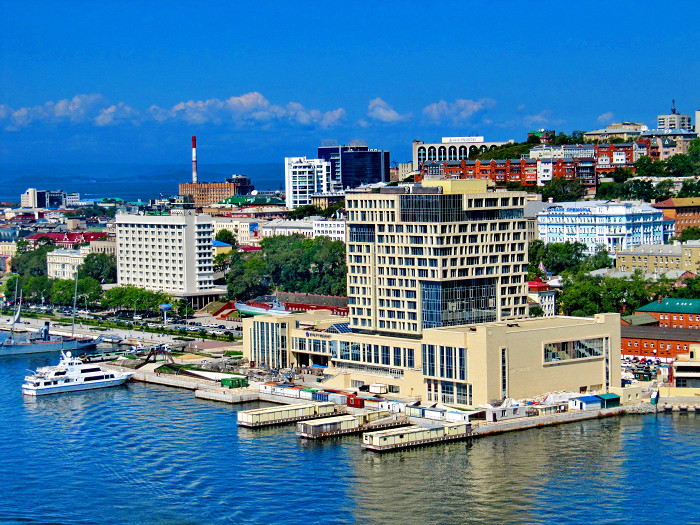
(151, 453)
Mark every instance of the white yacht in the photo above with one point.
(71, 375)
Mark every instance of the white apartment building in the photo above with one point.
(545, 151)
(674, 121)
(246, 230)
(335, 229)
(303, 227)
(29, 198)
(306, 177)
(614, 225)
(170, 253)
(445, 253)
(449, 148)
(62, 264)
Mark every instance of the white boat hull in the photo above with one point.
(30, 390)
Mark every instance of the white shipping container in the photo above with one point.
(456, 416)
(378, 388)
(305, 394)
(434, 413)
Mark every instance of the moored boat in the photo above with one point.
(42, 342)
(255, 308)
(71, 375)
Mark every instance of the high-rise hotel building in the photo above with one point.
(170, 253)
(442, 254)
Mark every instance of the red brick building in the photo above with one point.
(656, 341)
(684, 211)
(675, 313)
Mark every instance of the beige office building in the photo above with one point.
(463, 365)
(62, 264)
(170, 253)
(246, 230)
(660, 258)
(445, 253)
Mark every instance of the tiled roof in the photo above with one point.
(680, 306)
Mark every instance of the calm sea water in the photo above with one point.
(128, 182)
(149, 454)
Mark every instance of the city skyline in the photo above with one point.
(125, 82)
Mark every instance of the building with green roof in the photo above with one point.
(675, 313)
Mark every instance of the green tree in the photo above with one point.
(62, 291)
(32, 263)
(664, 190)
(680, 166)
(580, 296)
(694, 155)
(690, 188)
(564, 256)
(610, 190)
(690, 233)
(601, 259)
(621, 174)
(562, 190)
(304, 211)
(99, 266)
(646, 167)
(248, 276)
(22, 246)
(640, 189)
(226, 236)
(183, 308)
(536, 311)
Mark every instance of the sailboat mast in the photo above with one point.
(75, 299)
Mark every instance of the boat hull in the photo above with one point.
(40, 347)
(73, 387)
(254, 310)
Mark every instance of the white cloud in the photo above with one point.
(116, 114)
(80, 108)
(606, 117)
(521, 107)
(383, 112)
(456, 112)
(249, 108)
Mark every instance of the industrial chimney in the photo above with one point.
(194, 160)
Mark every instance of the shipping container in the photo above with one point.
(324, 408)
(414, 411)
(355, 401)
(266, 388)
(457, 416)
(396, 407)
(320, 396)
(338, 399)
(437, 414)
(453, 429)
(307, 393)
(378, 388)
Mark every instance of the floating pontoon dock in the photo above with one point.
(263, 417)
(414, 436)
(350, 424)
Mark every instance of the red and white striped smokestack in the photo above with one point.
(194, 159)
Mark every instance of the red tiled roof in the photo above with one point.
(69, 237)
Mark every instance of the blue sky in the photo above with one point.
(128, 81)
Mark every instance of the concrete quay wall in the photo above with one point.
(542, 421)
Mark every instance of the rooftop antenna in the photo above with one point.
(673, 106)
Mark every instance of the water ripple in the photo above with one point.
(150, 454)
